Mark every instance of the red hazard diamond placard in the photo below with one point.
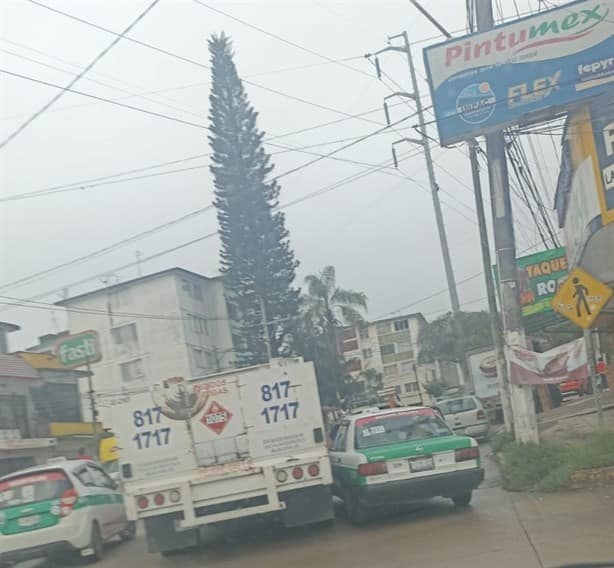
(216, 417)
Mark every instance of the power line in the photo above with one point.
(306, 197)
(91, 96)
(191, 61)
(282, 39)
(76, 78)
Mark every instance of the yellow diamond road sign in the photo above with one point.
(581, 298)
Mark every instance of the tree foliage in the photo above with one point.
(450, 336)
(325, 307)
(257, 263)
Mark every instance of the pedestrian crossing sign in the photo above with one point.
(581, 298)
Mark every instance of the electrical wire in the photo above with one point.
(76, 78)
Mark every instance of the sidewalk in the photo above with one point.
(567, 528)
(576, 418)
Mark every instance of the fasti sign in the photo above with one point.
(77, 350)
(523, 71)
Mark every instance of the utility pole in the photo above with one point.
(93, 409)
(595, 383)
(265, 328)
(425, 142)
(523, 408)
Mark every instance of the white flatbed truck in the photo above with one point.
(219, 449)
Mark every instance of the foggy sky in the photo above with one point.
(378, 231)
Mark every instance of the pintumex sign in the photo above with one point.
(523, 71)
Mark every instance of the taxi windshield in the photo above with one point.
(398, 427)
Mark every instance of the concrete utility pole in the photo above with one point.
(425, 142)
(523, 407)
(265, 329)
(595, 383)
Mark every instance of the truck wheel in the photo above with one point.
(462, 500)
(357, 514)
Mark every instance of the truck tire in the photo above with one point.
(462, 500)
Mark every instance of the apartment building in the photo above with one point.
(170, 323)
(390, 347)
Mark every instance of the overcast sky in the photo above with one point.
(378, 230)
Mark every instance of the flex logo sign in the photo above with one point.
(528, 93)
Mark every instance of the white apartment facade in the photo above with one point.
(167, 324)
(390, 347)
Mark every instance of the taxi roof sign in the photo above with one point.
(581, 298)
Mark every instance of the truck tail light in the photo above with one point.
(159, 499)
(375, 468)
(465, 454)
(175, 496)
(481, 415)
(142, 502)
(68, 500)
(298, 472)
(281, 475)
(313, 470)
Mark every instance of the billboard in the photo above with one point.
(539, 277)
(522, 71)
(483, 367)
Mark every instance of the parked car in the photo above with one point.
(465, 415)
(575, 386)
(401, 455)
(59, 508)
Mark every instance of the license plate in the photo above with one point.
(29, 521)
(444, 458)
(421, 464)
(400, 467)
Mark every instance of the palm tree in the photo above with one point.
(325, 308)
(326, 303)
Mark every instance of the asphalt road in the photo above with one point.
(499, 530)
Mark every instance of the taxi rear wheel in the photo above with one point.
(356, 512)
(462, 500)
(96, 544)
(129, 532)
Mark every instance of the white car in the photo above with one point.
(465, 415)
(63, 507)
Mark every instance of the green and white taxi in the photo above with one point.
(62, 507)
(401, 455)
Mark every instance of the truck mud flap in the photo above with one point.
(162, 535)
(307, 505)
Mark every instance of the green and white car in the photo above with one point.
(401, 455)
(62, 507)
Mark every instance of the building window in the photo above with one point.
(199, 325)
(200, 361)
(14, 414)
(407, 367)
(383, 328)
(124, 334)
(397, 390)
(366, 353)
(192, 290)
(391, 371)
(388, 349)
(363, 332)
(404, 347)
(409, 387)
(400, 325)
(132, 370)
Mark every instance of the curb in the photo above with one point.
(592, 477)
